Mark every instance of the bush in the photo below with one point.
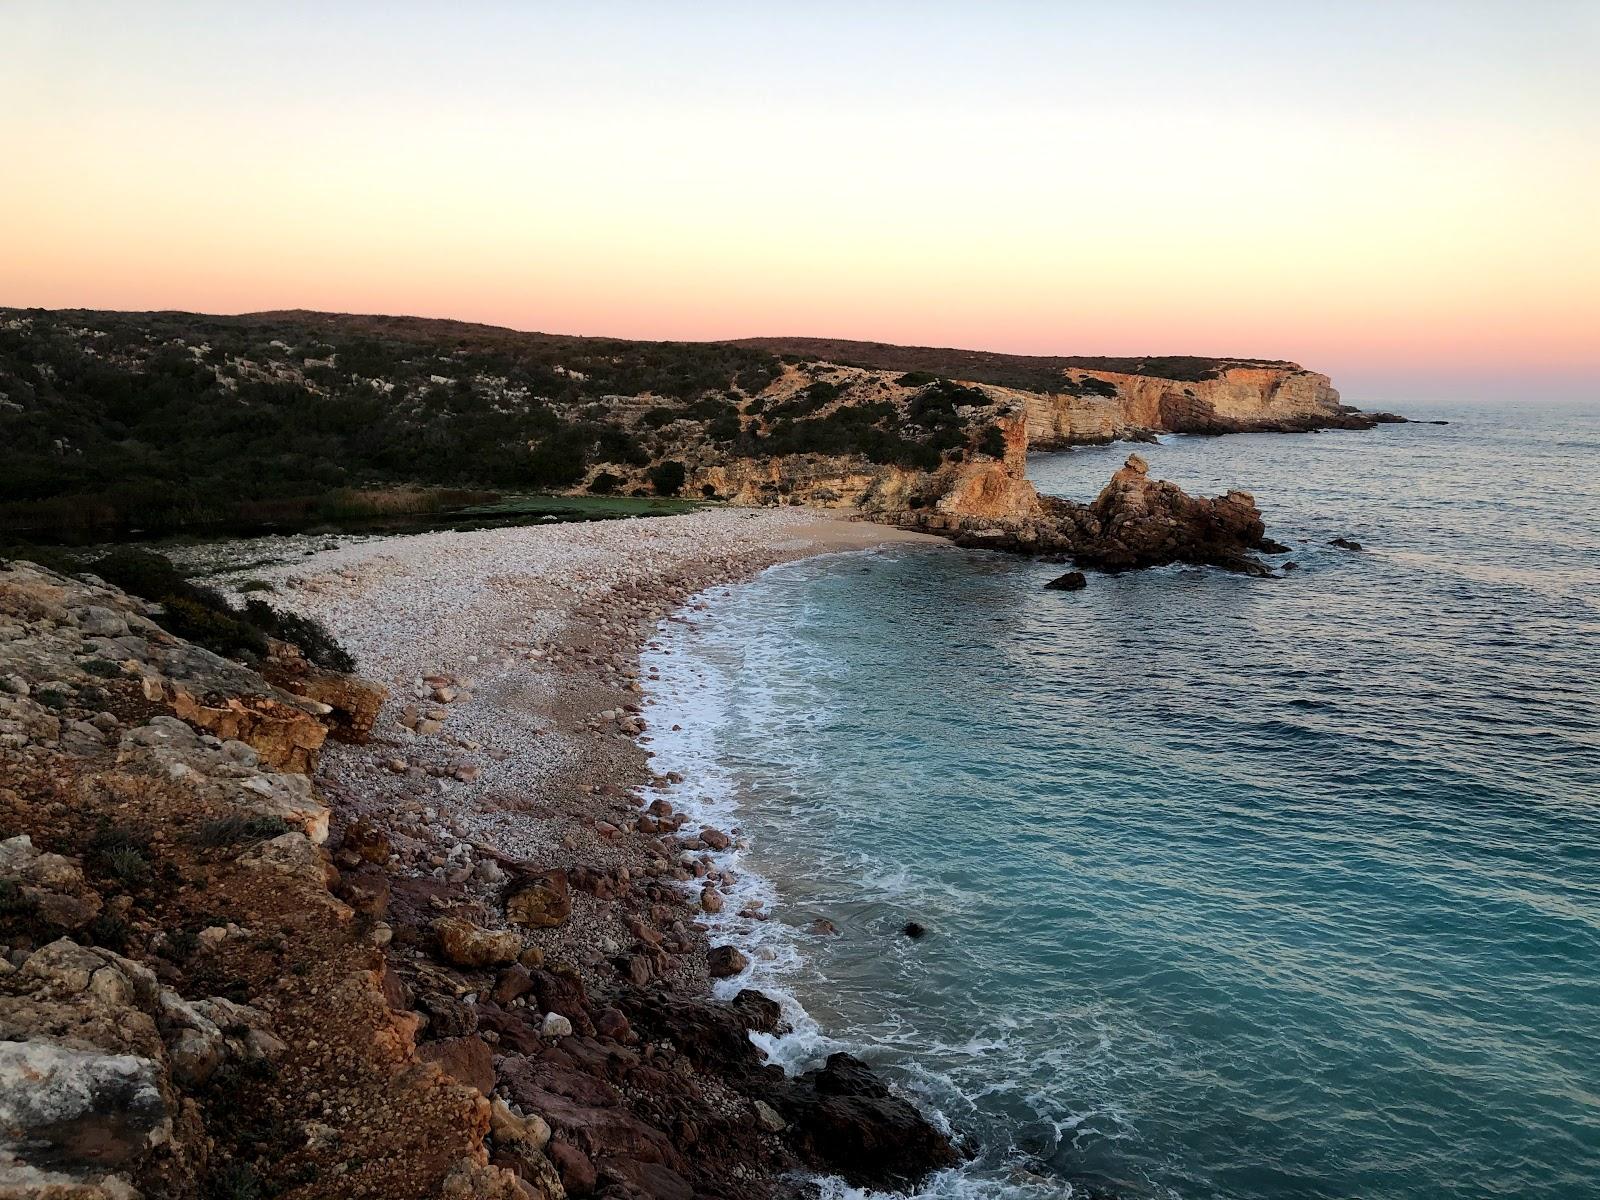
(605, 483)
(204, 616)
(994, 442)
(121, 853)
(668, 478)
(308, 633)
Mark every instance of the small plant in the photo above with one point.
(110, 932)
(122, 854)
(236, 1181)
(308, 633)
(256, 585)
(230, 831)
(182, 943)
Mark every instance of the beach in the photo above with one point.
(514, 746)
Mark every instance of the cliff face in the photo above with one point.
(1099, 406)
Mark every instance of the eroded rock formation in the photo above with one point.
(1134, 522)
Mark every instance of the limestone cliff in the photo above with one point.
(1101, 405)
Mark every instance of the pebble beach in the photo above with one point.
(516, 727)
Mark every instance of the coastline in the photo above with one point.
(540, 760)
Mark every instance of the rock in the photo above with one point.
(513, 983)
(914, 931)
(98, 621)
(1072, 581)
(711, 900)
(509, 1126)
(289, 854)
(555, 1025)
(824, 926)
(194, 1056)
(715, 838)
(448, 1017)
(544, 904)
(86, 1107)
(470, 1180)
(767, 1117)
(844, 1119)
(61, 910)
(467, 1060)
(366, 841)
(612, 1023)
(758, 1012)
(20, 860)
(463, 944)
(577, 1173)
(723, 962)
(1345, 543)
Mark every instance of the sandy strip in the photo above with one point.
(523, 744)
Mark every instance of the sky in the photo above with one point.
(1403, 195)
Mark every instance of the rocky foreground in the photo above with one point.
(281, 932)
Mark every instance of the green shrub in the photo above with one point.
(121, 853)
(605, 483)
(308, 633)
(993, 442)
(231, 831)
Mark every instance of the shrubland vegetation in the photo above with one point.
(116, 425)
(113, 422)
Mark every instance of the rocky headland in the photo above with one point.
(276, 931)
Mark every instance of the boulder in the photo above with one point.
(467, 1060)
(1072, 581)
(723, 962)
(73, 1107)
(846, 1120)
(543, 903)
(463, 944)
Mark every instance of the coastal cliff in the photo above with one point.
(136, 424)
(1104, 406)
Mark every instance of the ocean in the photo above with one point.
(1259, 889)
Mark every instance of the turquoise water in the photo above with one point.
(1235, 888)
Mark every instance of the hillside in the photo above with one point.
(112, 423)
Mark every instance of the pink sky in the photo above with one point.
(1403, 201)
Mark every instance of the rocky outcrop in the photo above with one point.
(181, 995)
(1137, 521)
(1134, 522)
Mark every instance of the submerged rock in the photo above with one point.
(1072, 581)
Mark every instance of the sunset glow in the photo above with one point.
(1402, 196)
